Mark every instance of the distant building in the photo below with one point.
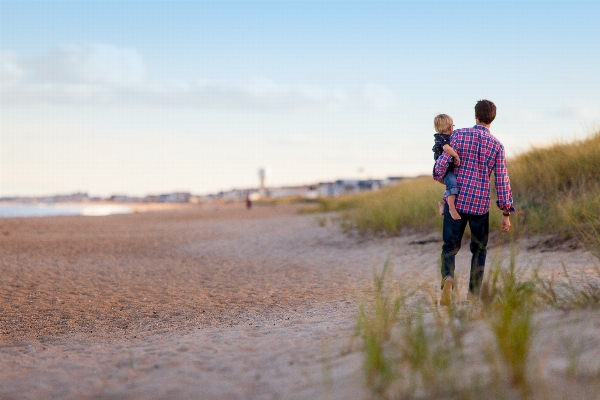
(348, 186)
(323, 189)
(175, 198)
(289, 191)
(169, 198)
(68, 198)
(126, 199)
(233, 195)
(392, 180)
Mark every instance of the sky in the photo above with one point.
(150, 97)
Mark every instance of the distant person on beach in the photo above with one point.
(443, 125)
(480, 154)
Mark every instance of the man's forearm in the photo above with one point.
(448, 149)
(503, 190)
(441, 167)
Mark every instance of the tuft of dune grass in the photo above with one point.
(557, 188)
(543, 173)
(502, 345)
(411, 204)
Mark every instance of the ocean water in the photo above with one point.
(50, 210)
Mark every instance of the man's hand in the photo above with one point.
(457, 160)
(505, 223)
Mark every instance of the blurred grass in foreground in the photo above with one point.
(556, 191)
(515, 342)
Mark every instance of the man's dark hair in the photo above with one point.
(485, 111)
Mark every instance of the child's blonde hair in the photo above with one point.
(442, 122)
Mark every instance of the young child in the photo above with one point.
(443, 126)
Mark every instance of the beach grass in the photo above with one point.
(558, 187)
(556, 190)
(501, 345)
(375, 325)
(409, 205)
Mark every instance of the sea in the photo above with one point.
(51, 210)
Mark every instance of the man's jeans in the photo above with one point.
(452, 234)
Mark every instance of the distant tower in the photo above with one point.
(262, 175)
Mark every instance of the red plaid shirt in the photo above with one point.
(480, 155)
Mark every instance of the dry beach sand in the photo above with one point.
(199, 302)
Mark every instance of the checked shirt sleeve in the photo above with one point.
(441, 166)
(503, 190)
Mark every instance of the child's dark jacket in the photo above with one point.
(440, 141)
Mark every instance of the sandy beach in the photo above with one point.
(199, 302)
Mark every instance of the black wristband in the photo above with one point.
(506, 214)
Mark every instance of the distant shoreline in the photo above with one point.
(95, 209)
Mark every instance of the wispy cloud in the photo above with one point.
(11, 71)
(88, 63)
(100, 74)
(579, 111)
(378, 96)
(528, 117)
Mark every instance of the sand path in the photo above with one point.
(197, 302)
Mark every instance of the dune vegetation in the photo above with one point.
(556, 191)
(528, 336)
(411, 204)
(557, 188)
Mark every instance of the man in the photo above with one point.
(480, 155)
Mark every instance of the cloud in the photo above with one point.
(528, 117)
(298, 141)
(378, 96)
(100, 74)
(11, 71)
(579, 111)
(89, 63)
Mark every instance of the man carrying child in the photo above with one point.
(480, 155)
